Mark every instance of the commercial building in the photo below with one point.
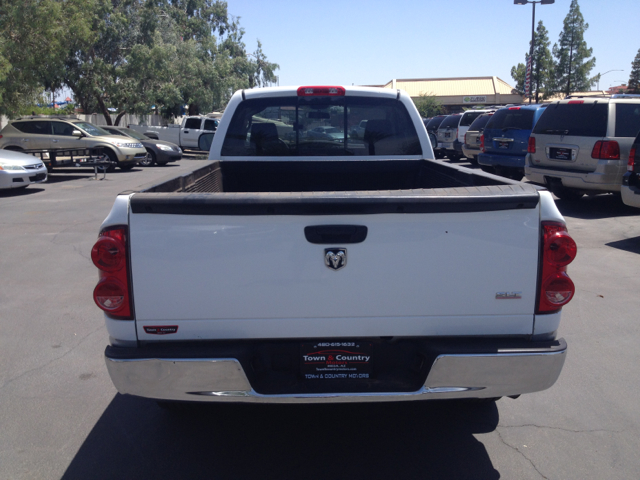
(456, 94)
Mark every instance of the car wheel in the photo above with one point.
(439, 154)
(567, 194)
(488, 169)
(162, 164)
(473, 160)
(454, 157)
(126, 168)
(149, 160)
(113, 158)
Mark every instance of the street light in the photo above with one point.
(527, 81)
(601, 74)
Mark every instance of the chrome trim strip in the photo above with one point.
(451, 376)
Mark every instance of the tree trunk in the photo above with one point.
(119, 117)
(103, 109)
(193, 109)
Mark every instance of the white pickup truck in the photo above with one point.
(296, 269)
(185, 135)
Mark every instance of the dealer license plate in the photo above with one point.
(503, 145)
(336, 360)
(560, 153)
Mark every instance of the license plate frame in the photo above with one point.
(565, 154)
(341, 360)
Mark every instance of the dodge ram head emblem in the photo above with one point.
(335, 258)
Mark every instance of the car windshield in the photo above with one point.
(512, 118)
(134, 134)
(91, 129)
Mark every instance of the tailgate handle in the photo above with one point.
(333, 234)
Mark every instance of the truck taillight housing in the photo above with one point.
(606, 150)
(531, 146)
(109, 254)
(558, 251)
(482, 142)
(632, 159)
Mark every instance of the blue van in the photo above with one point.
(506, 138)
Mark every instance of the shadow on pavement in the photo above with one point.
(135, 438)
(59, 177)
(18, 192)
(628, 244)
(597, 206)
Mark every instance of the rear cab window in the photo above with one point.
(320, 126)
(580, 119)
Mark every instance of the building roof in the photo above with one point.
(447, 87)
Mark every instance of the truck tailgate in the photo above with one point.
(258, 276)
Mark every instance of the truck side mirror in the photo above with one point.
(204, 142)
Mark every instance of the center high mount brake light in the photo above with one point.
(321, 92)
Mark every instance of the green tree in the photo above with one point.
(541, 68)
(574, 60)
(634, 76)
(519, 73)
(428, 105)
(33, 35)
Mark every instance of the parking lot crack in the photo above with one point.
(521, 453)
(561, 428)
(39, 367)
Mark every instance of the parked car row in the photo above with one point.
(574, 147)
(53, 138)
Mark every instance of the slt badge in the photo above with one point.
(335, 258)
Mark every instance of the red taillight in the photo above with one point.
(482, 142)
(109, 254)
(632, 158)
(321, 91)
(575, 102)
(514, 108)
(558, 251)
(531, 146)
(606, 150)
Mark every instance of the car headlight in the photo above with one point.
(127, 145)
(163, 147)
(4, 166)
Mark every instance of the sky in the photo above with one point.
(371, 42)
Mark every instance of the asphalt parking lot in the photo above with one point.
(61, 417)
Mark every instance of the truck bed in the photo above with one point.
(326, 187)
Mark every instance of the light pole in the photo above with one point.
(601, 74)
(527, 81)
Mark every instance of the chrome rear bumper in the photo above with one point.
(507, 372)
